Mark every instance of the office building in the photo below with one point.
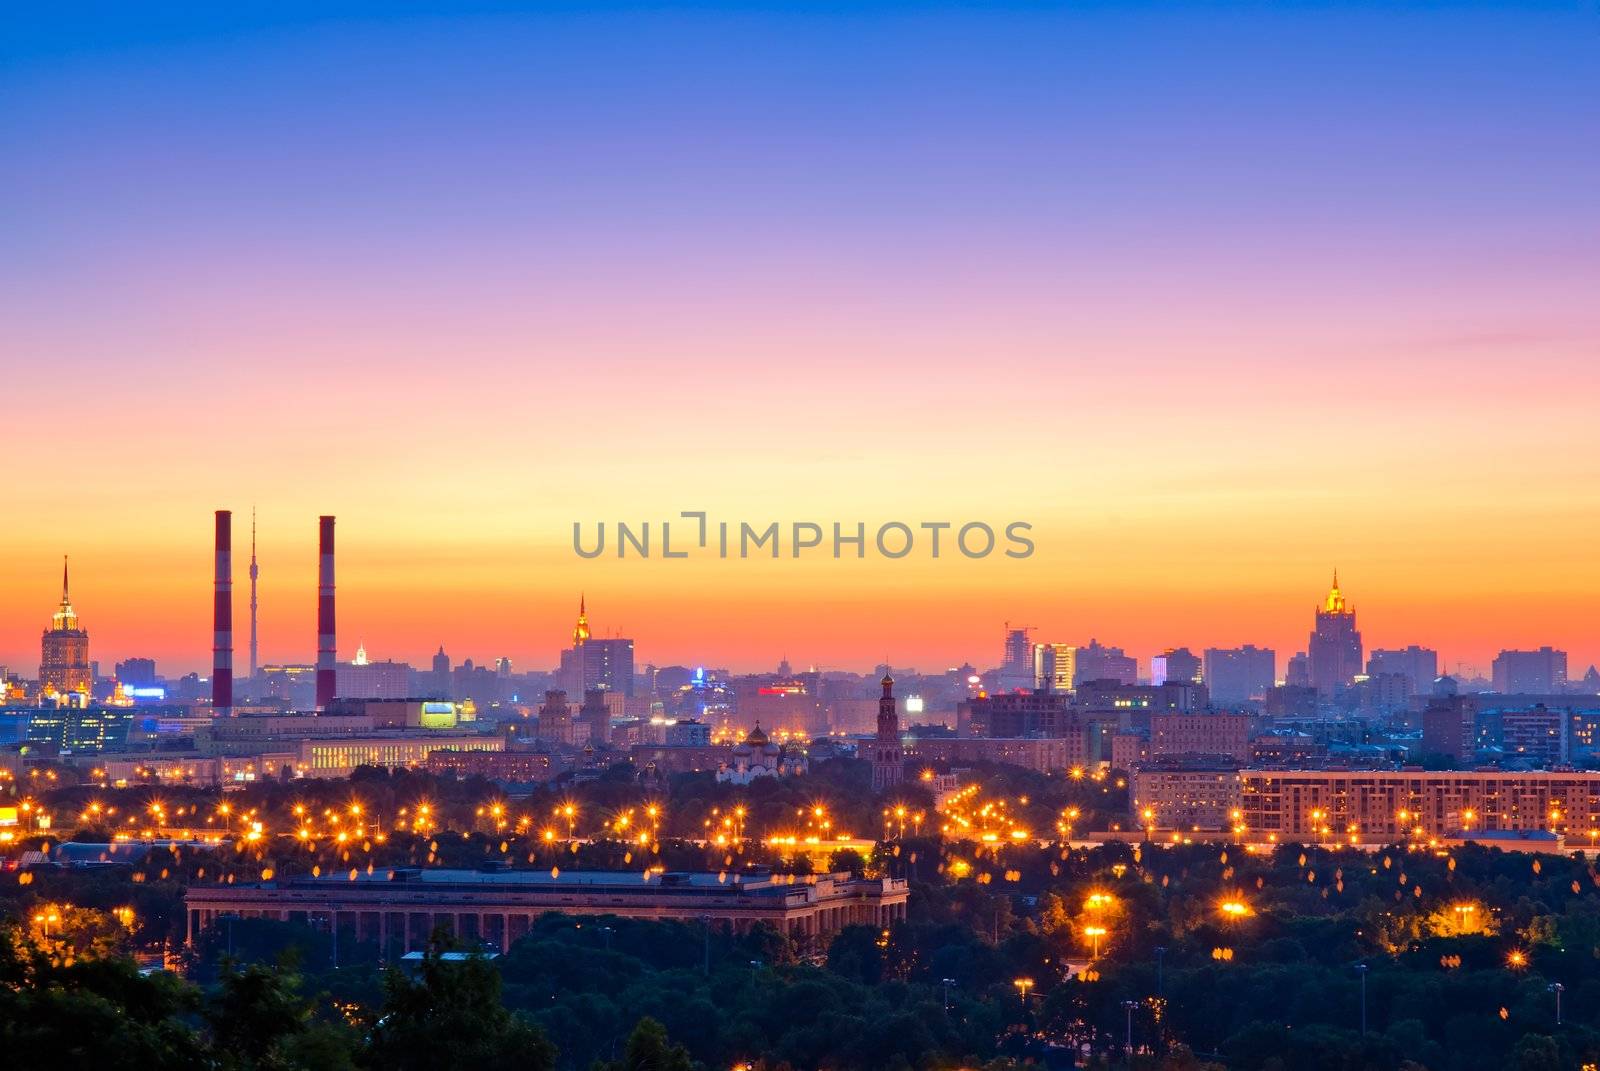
(1174, 735)
(1536, 737)
(1541, 672)
(1176, 664)
(137, 673)
(1418, 665)
(362, 678)
(1235, 676)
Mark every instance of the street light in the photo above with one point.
(1161, 956)
(1361, 969)
(1557, 988)
(1023, 985)
(1128, 1006)
(705, 920)
(947, 983)
(1095, 933)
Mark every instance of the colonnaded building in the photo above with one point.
(400, 907)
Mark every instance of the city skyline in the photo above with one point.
(1214, 321)
(985, 655)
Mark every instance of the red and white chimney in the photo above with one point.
(325, 621)
(222, 620)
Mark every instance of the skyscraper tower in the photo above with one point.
(1334, 650)
(64, 649)
(254, 573)
(888, 759)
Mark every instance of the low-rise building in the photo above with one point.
(399, 908)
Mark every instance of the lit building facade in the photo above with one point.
(400, 908)
(1389, 805)
(339, 757)
(1190, 796)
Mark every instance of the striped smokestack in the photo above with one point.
(325, 628)
(222, 620)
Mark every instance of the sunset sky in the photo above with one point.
(1218, 296)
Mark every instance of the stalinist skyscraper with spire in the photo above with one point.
(1334, 650)
(64, 649)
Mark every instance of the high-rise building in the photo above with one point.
(1334, 650)
(1297, 671)
(1200, 734)
(438, 686)
(1053, 666)
(555, 718)
(1017, 670)
(137, 672)
(1236, 675)
(1177, 664)
(1541, 672)
(1097, 662)
(1419, 665)
(1538, 736)
(64, 649)
(888, 757)
(590, 663)
(1450, 728)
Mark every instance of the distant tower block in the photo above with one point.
(222, 620)
(888, 758)
(326, 641)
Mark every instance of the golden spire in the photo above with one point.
(1335, 601)
(64, 619)
(580, 631)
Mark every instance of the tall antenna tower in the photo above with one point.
(255, 571)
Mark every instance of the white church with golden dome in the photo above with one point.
(757, 757)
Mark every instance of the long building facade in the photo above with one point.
(1394, 804)
(1368, 805)
(399, 908)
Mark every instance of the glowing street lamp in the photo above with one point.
(1094, 933)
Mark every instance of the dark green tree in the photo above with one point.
(450, 1018)
(650, 1049)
